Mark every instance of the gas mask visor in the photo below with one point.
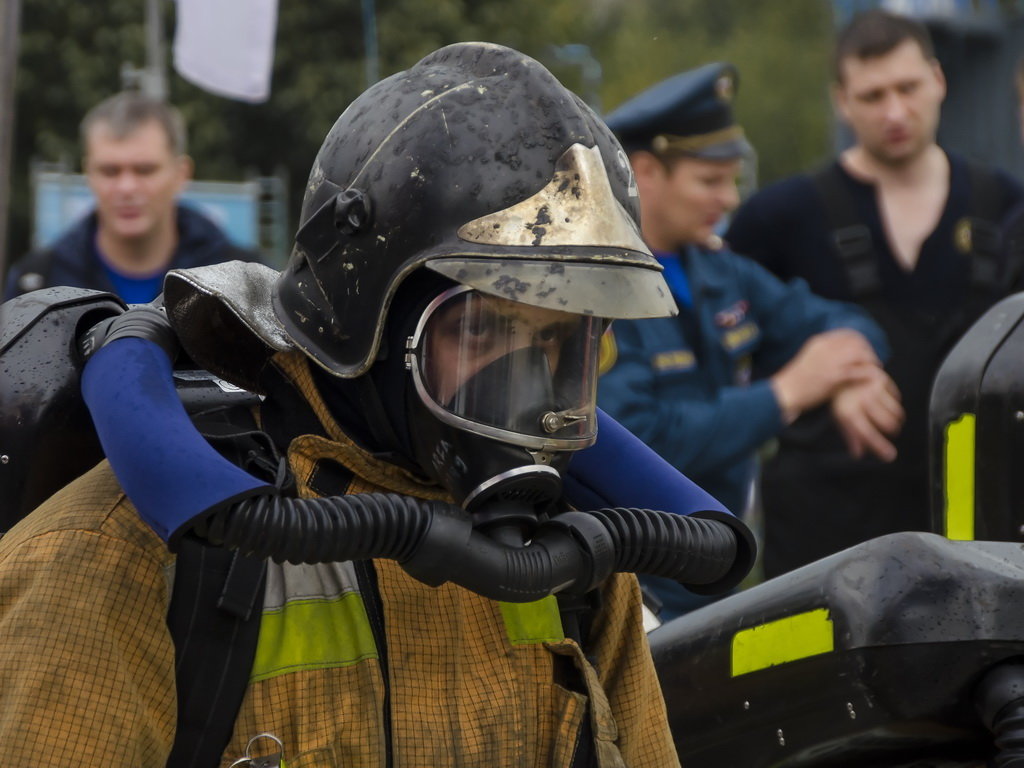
(511, 371)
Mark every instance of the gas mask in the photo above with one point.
(502, 392)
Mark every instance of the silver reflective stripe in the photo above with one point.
(326, 581)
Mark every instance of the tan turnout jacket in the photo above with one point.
(87, 663)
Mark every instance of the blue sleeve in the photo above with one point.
(168, 471)
(696, 428)
(788, 314)
(619, 470)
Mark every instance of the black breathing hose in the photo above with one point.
(323, 530)
(435, 542)
(700, 553)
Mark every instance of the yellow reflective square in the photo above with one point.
(783, 640)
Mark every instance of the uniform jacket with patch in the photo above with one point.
(694, 387)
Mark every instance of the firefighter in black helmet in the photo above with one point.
(468, 230)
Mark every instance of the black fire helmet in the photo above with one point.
(478, 164)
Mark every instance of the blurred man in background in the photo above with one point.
(911, 233)
(135, 162)
(748, 353)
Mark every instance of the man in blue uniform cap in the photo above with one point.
(748, 353)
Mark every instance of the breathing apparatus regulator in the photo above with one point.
(456, 267)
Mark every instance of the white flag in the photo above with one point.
(227, 46)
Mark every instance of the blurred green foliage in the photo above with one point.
(72, 55)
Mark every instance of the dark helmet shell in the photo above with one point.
(476, 163)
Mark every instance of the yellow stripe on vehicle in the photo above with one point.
(321, 633)
(536, 622)
(781, 641)
(958, 474)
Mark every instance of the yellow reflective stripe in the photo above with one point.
(958, 469)
(537, 622)
(781, 641)
(313, 634)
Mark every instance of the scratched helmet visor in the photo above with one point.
(505, 369)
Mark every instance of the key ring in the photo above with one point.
(248, 759)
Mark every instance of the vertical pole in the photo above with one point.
(154, 83)
(10, 23)
(370, 42)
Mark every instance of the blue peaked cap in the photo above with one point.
(687, 114)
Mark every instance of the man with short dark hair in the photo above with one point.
(910, 232)
(134, 158)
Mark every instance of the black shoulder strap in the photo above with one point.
(214, 616)
(214, 619)
(986, 198)
(980, 234)
(850, 236)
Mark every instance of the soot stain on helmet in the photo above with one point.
(512, 287)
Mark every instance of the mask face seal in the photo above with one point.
(510, 388)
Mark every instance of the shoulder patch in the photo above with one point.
(741, 335)
(675, 360)
(962, 236)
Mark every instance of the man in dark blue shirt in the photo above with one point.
(748, 352)
(135, 163)
(910, 232)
